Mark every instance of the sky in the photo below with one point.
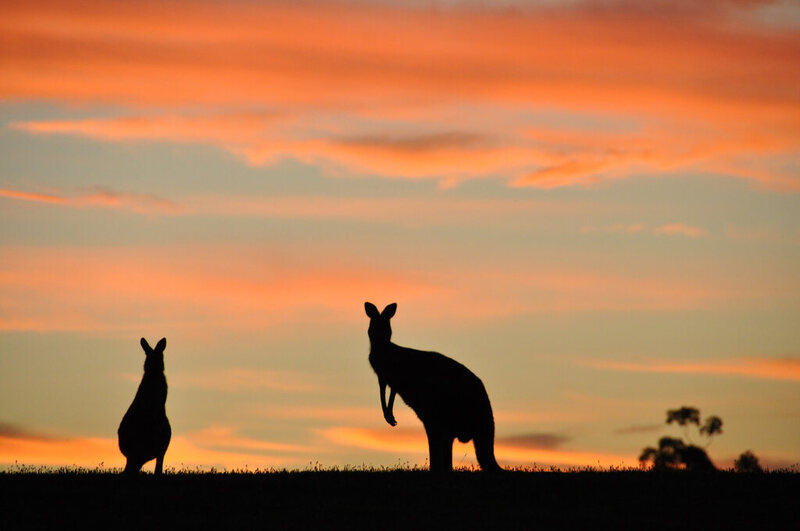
(592, 204)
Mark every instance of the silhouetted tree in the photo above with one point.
(696, 459)
(683, 416)
(712, 426)
(675, 454)
(747, 462)
(686, 415)
(666, 456)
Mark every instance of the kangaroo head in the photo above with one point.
(379, 328)
(155, 356)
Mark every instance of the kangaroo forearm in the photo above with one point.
(382, 392)
(392, 394)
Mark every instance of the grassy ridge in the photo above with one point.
(401, 500)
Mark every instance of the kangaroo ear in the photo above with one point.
(388, 312)
(372, 311)
(146, 346)
(161, 345)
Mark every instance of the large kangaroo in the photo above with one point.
(144, 432)
(447, 397)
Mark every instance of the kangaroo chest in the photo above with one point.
(152, 393)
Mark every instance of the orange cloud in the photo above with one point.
(261, 140)
(102, 198)
(86, 452)
(413, 211)
(162, 52)
(409, 211)
(217, 447)
(28, 196)
(409, 92)
(225, 438)
(680, 229)
(245, 287)
(562, 157)
(413, 441)
(220, 128)
(770, 369)
(672, 229)
(130, 288)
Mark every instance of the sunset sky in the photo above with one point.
(592, 204)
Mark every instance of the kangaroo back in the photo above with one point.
(449, 399)
(145, 432)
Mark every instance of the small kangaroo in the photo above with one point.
(144, 432)
(447, 397)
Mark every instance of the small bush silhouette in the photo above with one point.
(674, 454)
(747, 462)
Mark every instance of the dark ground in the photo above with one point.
(401, 500)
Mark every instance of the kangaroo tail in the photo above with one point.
(484, 450)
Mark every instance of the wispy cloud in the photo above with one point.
(226, 439)
(99, 197)
(672, 229)
(82, 451)
(680, 229)
(762, 234)
(409, 211)
(85, 288)
(244, 287)
(546, 441)
(338, 89)
(216, 446)
(762, 368)
(16, 431)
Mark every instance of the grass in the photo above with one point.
(397, 498)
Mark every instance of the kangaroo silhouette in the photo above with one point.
(447, 397)
(144, 432)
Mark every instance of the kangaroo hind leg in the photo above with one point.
(132, 467)
(484, 452)
(440, 450)
(159, 465)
